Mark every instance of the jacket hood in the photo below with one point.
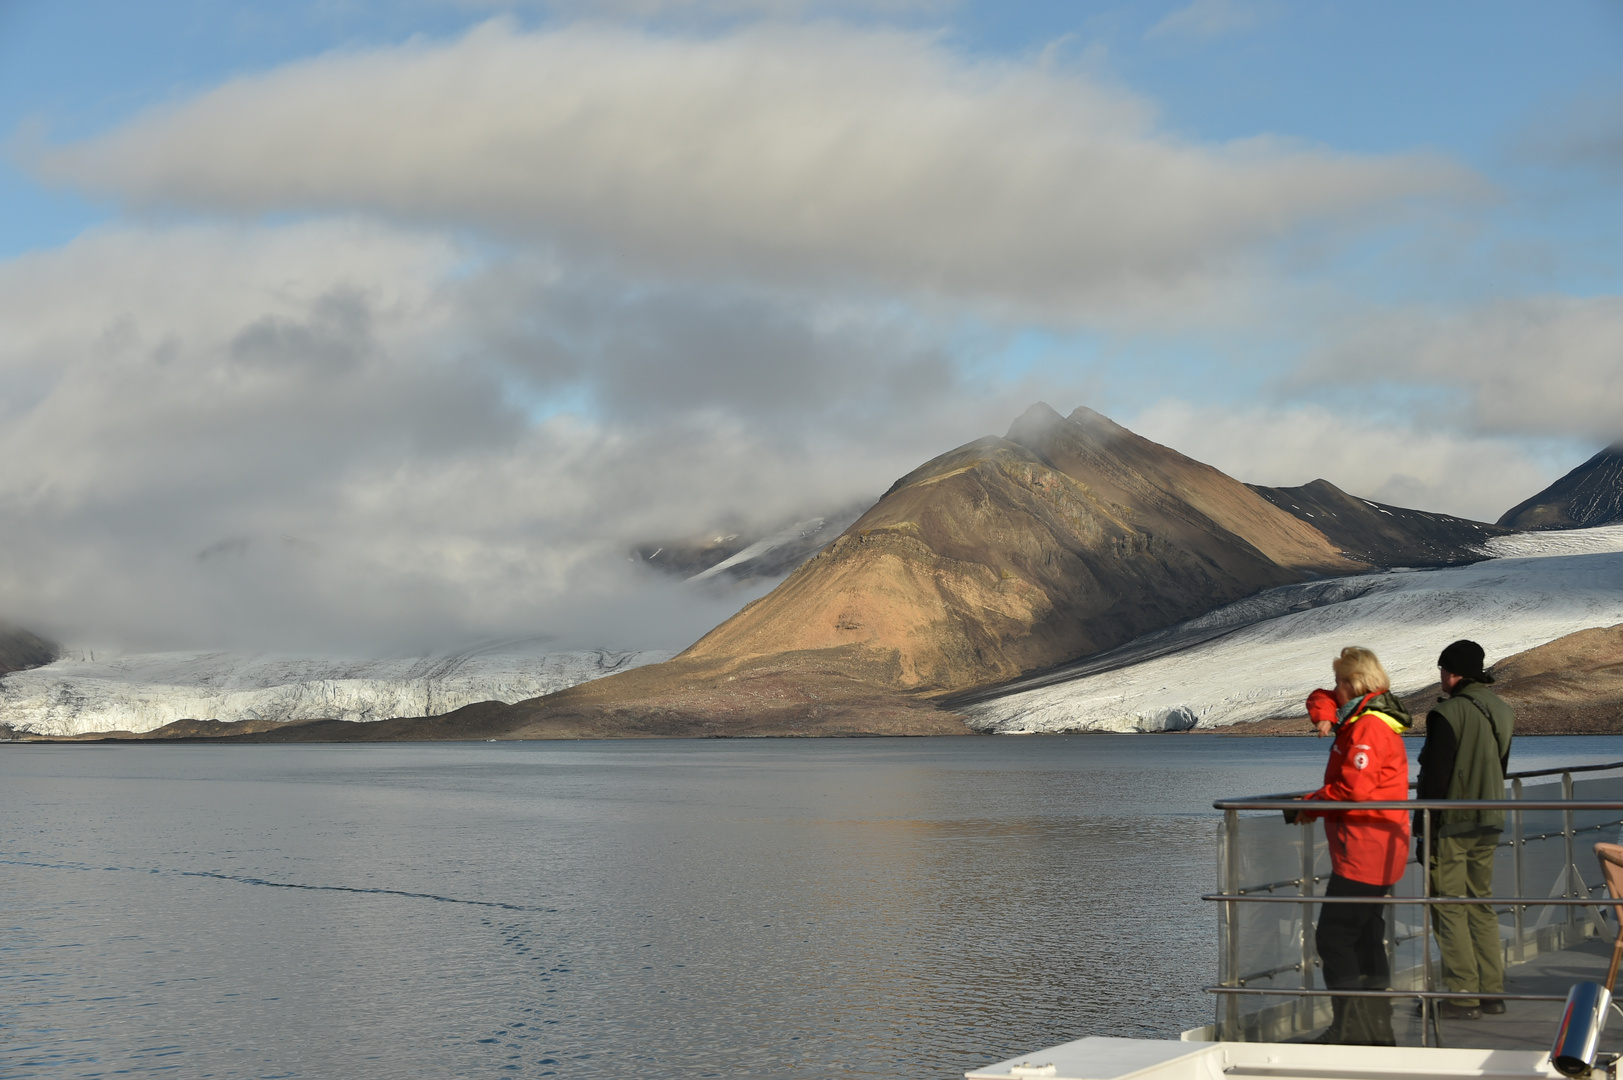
(1385, 703)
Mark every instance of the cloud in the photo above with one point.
(1209, 19)
(1585, 134)
(347, 436)
(802, 156)
(704, 9)
(1539, 366)
(1418, 465)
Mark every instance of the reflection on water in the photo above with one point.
(671, 909)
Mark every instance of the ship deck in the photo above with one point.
(1525, 1025)
(1511, 1046)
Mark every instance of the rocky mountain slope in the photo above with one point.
(1380, 534)
(1591, 494)
(20, 650)
(1574, 683)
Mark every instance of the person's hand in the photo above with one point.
(1321, 711)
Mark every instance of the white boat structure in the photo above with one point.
(1556, 929)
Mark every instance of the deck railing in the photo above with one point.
(1271, 872)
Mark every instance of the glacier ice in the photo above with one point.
(86, 692)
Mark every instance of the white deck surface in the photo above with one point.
(1098, 1058)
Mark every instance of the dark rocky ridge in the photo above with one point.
(1380, 534)
(20, 649)
(1590, 495)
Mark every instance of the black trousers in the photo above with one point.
(1351, 939)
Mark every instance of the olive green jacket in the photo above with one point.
(1466, 753)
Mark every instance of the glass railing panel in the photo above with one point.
(1268, 946)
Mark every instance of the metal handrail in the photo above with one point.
(1418, 901)
(1339, 806)
(1428, 995)
(1234, 893)
(1558, 770)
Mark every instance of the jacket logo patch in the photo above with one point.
(1360, 760)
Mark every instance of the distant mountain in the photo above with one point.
(1380, 534)
(743, 554)
(1591, 494)
(20, 650)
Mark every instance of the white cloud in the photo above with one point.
(788, 154)
(1549, 365)
(346, 419)
(1209, 19)
(651, 9)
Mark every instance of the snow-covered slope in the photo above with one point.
(82, 692)
(1537, 587)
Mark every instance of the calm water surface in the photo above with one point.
(895, 908)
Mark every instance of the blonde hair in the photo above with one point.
(1360, 667)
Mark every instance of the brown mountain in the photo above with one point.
(1381, 534)
(1066, 537)
(1591, 494)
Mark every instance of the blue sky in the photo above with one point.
(474, 294)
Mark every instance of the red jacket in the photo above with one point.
(1367, 764)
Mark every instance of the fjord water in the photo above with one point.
(764, 908)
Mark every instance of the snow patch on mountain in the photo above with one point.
(84, 692)
(1537, 587)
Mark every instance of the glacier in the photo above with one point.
(84, 691)
(1260, 657)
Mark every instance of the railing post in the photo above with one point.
(1516, 843)
(1305, 1013)
(1427, 1008)
(1229, 1019)
(1569, 875)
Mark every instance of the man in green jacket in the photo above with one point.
(1465, 755)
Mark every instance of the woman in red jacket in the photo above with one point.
(1368, 848)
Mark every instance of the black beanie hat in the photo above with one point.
(1464, 658)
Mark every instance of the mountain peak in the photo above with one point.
(1590, 495)
(1035, 421)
